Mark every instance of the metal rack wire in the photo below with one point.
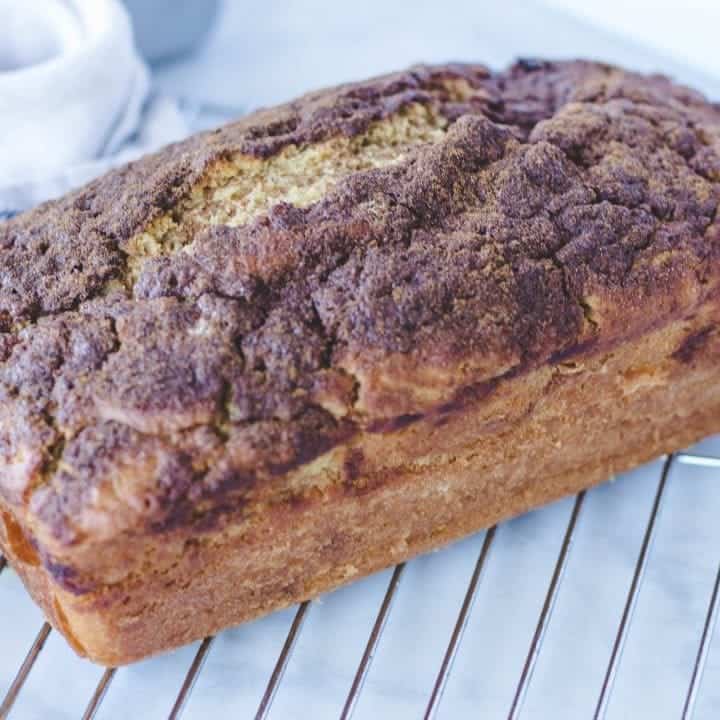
(435, 695)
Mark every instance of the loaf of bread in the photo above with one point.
(303, 347)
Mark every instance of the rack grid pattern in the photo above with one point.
(432, 702)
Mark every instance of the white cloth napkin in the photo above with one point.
(74, 97)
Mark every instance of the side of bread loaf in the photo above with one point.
(336, 334)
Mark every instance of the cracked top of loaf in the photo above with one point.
(183, 332)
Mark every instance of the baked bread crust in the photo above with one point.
(343, 331)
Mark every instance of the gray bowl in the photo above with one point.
(168, 28)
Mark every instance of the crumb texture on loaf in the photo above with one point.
(181, 333)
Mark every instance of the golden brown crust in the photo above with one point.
(392, 497)
(203, 338)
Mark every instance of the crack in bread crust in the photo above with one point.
(179, 335)
(239, 189)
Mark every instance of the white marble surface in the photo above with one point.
(263, 53)
(686, 30)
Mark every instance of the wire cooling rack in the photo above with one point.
(599, 606)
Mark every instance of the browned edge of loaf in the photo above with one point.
(653, 395)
